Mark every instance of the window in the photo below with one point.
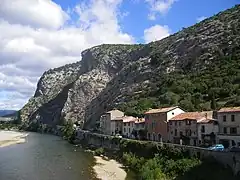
(181, 133)
(188, 122)
(188, 132)
(225, 130)
(124, 130)
(179, 123)
(171, 132)
(175, 133)
(170, 123)
(233, 130)
(153, 137)
(175, 123)
(202, 129)
(129, 130)
(232, 118)
(224, 118)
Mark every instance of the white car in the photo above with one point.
(118, 135)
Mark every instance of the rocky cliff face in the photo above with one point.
(111, 75)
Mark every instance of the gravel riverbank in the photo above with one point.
(8, 138)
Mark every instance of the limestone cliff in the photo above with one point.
(111, 76)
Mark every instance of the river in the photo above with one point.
(45, 157)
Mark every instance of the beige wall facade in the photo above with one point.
(205, 129)
(106, 127)
(229, 128)
(187, 128)
(156, 124)
(116, 127)
(128, 128)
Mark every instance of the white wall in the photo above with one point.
(173, 113)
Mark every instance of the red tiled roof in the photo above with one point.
(114, 110)
(189, 116)
(117, 119)
(206, 120)
(230, 109)
(161, 110)
(140, 120)
(129, 119)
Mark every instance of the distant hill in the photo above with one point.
(7, 113)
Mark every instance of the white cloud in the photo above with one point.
(201, 18)
(36, 13)
(159, 6)
(35, 36)
(156, 32)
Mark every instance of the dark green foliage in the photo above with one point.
(215, 86)
(8, 126)
(151, 160)
(99, 151)
(69, 132)
(132, 161)
(164, 167)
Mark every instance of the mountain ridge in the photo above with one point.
(137, 77)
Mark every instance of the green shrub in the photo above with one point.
(152, 170)
(99, 151)
(132, 161)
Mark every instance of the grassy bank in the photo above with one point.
(151, 162)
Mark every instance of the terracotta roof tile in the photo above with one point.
(140, 120)
(191, 116)
(117, 119)
(206, 120)
(230, 109)
(160, 110)
(129, 119)
(115, 110)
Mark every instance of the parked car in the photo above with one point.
(118, 135)
(234, 149)
(216, 147)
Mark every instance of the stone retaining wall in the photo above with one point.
(229, 159)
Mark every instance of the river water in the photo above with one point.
(45, 157)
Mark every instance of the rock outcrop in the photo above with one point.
(110, 75)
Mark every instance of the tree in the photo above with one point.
(213, 103)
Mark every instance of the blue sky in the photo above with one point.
(37, 35)
(183, 13)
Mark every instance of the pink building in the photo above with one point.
(156, 122)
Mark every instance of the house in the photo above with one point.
(207, 131)
(139, 129)
(185, 127)
(229, 126)
(128, 126)
(116, 125)
(106, 118)
(156, 122)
